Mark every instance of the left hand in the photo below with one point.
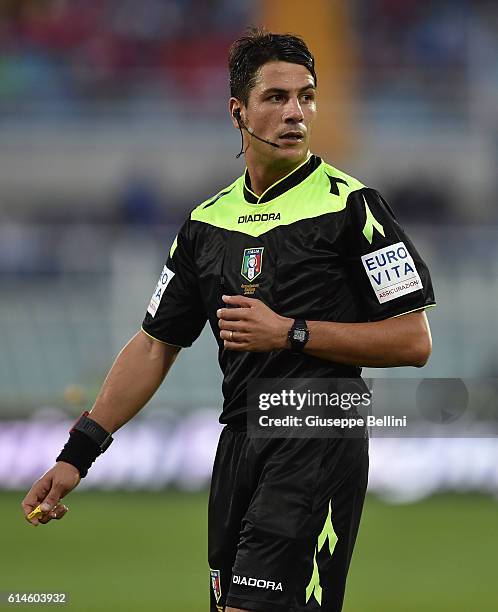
(252, 325)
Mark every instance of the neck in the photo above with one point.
(264, 176)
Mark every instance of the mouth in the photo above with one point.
(292, 137)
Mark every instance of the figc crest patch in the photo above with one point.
(252, 263)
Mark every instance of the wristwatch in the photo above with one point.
(93, 430)
(298, 335)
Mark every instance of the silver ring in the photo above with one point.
(231, 336)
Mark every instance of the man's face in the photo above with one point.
(281, 108)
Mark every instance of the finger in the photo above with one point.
(236, 346)
(234, 336)
(233, 314)
(239, 300)
(28, 504)
(34, 497)
(55, 514)
(34, 516)
(52, 499)
(36, 494)
(236, 326)
(59, 512)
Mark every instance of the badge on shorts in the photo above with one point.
(216, 584)
(252, 263)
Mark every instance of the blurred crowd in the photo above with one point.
(424, 51)
(68, 53)
(428, 60)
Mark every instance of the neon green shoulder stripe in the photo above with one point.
(353, 184)
(219, 195)
(324, 191)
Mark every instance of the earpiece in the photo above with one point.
(243, 126)
(236, 114)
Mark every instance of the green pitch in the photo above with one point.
(134, 552)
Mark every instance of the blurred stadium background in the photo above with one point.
(113, 125)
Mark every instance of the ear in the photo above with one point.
(235, 108)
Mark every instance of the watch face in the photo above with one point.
(300, 335)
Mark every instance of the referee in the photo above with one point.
(302, 272)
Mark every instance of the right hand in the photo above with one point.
(49, 490)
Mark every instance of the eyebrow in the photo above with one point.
(284, 91)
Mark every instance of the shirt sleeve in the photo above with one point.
(391, 277)
(176, 313)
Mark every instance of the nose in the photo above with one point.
(293, 112)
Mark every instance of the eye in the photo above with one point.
(276, 98)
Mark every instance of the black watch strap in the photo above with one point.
(298, 335)
(93, 430)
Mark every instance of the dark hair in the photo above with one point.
(248, 53)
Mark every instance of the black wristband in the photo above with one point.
(93, 430)
(81, 451)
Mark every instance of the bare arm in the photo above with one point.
(135, 376)
(399, 341)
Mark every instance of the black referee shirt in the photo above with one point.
(316, 245)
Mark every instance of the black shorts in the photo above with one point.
(283, 519)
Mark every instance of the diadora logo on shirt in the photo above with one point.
(252, 263)
(392, 272)
(259, 217)
(257, 582)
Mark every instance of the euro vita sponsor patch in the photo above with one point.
(162, 283)
(392, 272)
